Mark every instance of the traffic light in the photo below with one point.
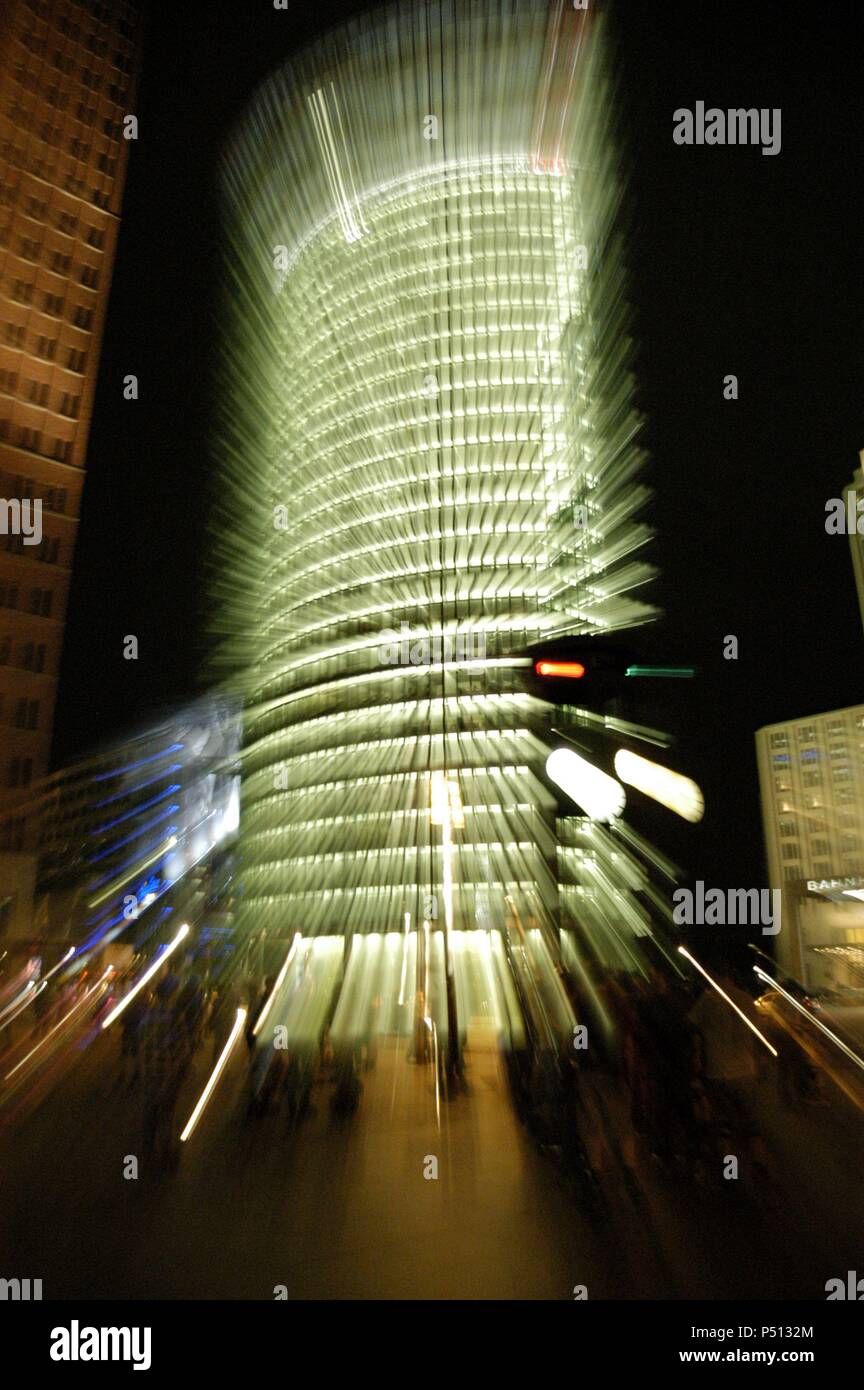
(591, 671)
(579, 671)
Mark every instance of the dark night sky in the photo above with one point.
(739, 263)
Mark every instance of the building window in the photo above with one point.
(26, 714)
(790, 850)
(40, 602)
(33, 656)
(29, 439)
(20, 772)
(37, 391)
(787, 827)
(11, 837)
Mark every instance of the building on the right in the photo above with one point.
(811, 777)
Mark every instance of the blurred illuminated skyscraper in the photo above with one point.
(430, 461)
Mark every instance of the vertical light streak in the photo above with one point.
(278, 985)
(239, 1020)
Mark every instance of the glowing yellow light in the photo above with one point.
(599, 795)
(679, 794)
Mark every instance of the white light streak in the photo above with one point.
(678, 793)
(599, 795)
(817, 1023)
(148, 975)
(239, 1020)
(723, 995)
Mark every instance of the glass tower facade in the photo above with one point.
(430, 462)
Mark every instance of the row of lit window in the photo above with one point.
(21, 292)
(39, 393)
(472, 461)
(35, 442)
(60, 262)
(424, 266)
(40, 599)
(24, 714)
(26, 119)
(47, 550)
(415, 364)
(815, 755)
(64, 61)
(16, 155)
(64, 221)
(467, 402)
(52, 134)
(53, 498)
(44, 347)
(31, 656)
(807, 733)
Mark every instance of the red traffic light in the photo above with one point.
(568, 670)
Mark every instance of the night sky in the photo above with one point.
(739, 263)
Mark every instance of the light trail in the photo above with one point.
(31, 990)
(148, 975)
(674, 791)
(65, 1019)
(406, 928)
(723, 995)
(278, 985)
(214, 1075)
(600, 796)
(30, 985)
(847, 1051)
